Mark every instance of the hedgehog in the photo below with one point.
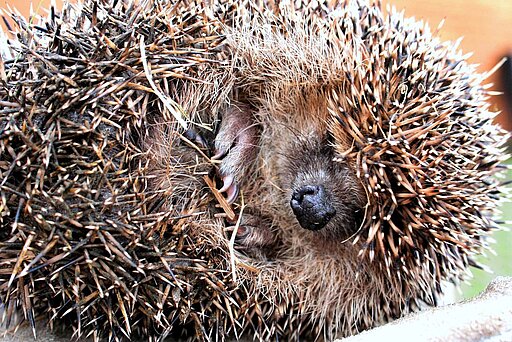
(226, 169)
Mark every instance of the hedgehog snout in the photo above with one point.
(312, 207)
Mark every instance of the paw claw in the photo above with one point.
(228, 181)
(235, 147)
(218, 155)
(232, 193)
(230, 188)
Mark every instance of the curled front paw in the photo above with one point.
(256, 236)
(235, 146)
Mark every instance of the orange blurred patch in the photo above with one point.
(485, 25)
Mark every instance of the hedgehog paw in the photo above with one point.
(255, 236)
(235, 147)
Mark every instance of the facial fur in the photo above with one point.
(315, 165)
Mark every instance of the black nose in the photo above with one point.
(312, 207)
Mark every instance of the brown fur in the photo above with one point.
(289, 95)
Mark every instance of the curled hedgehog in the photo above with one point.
(219, 169)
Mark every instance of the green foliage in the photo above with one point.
(501, 263)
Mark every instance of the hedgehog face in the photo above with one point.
(324, 194)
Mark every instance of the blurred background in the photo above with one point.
(486, 26)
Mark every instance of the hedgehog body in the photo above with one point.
(110, 215)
